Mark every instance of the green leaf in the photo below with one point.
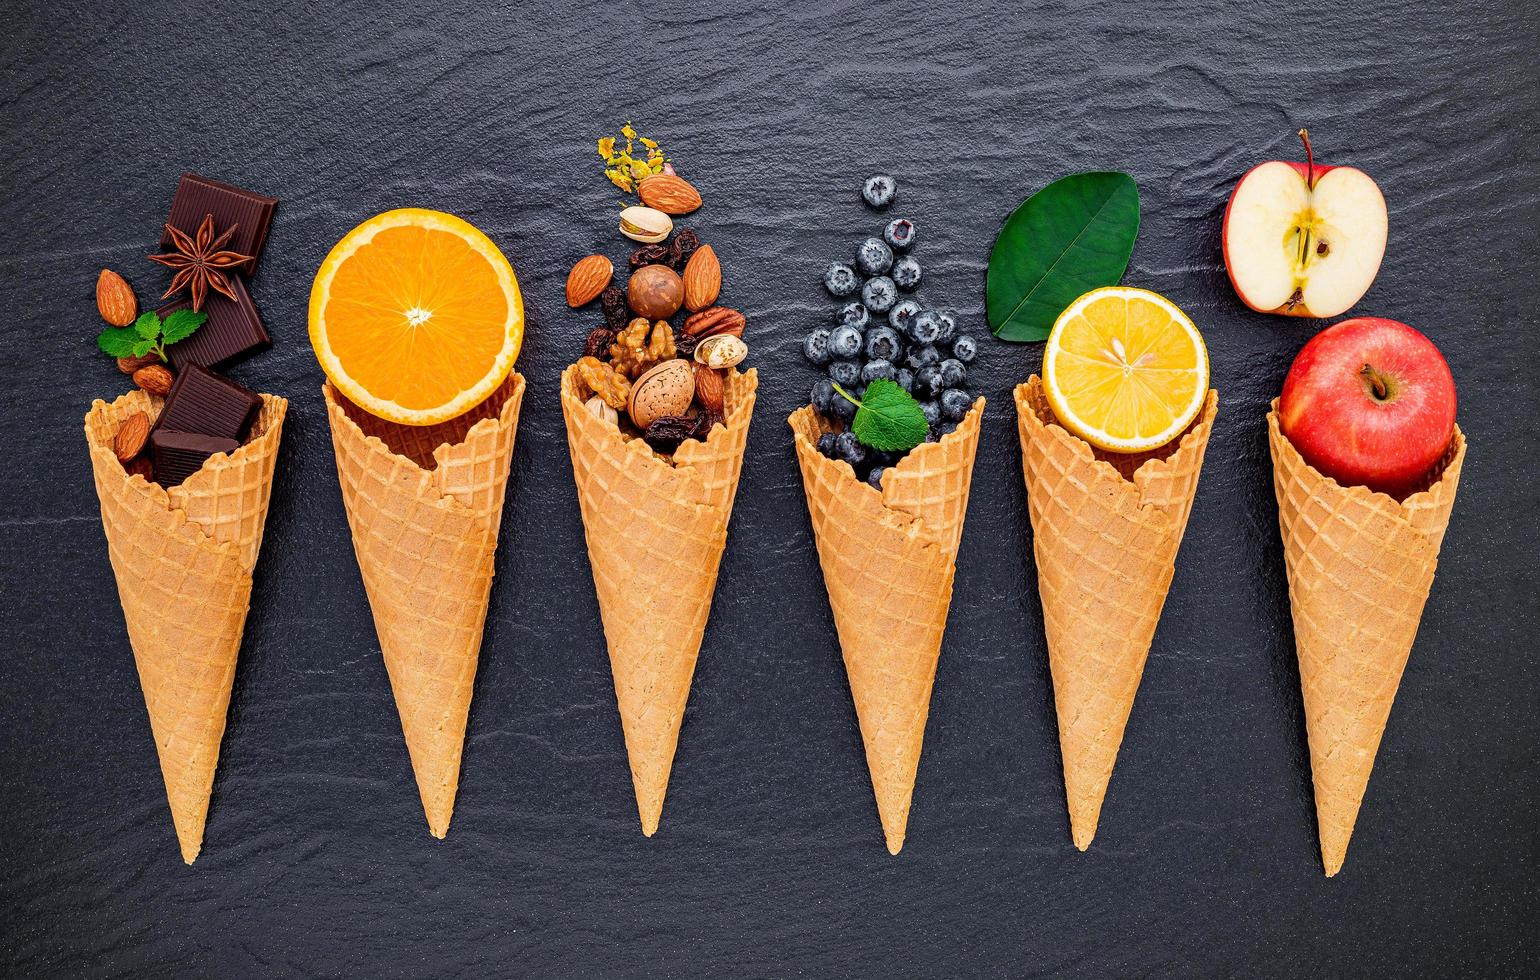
(1069, 238)
(181, 324)
(117, 341)
(148, 325)
(888, 418)
(143, 347)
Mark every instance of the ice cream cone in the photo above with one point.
(1105, 532)
(655, 530)
(1360, 565)
(183, 560)
(425, 504)
(888, 561)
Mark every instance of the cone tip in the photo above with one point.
(895, 843)
(650, 823)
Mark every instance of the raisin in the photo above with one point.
(598, 343)
(686, 241)
(703, 423)
(616, 312)
(650, 255)
(684, 344)
(667, 433)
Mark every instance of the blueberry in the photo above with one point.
(878, 370)
(844, 341)
(816, 346)
(849, 448)
(826, 444)
(906, 273)
(899, 233)
(879, 294)
(948, 328)
(924, 356)
(902, 312)
(952, 373)
(841, 279)
(845, 373)
(822, 396)
(955, 404)
(883, 344)
(843, 408)
(924, 328)
(879, 191)
(873, 257)
(875, 476)
(905, 379)
(853, 314)
(927, 381)
(945, 429)
(964, 348)
(932, 412)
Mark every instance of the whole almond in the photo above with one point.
(131, 437)
(128, 365)
(715, 320)
(115, 299)
(668, 193)
(155, 379)
(710, 387)
(587, 280)
(702, 279)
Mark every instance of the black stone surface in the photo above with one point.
(770, 859)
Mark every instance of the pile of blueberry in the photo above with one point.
(881, 333)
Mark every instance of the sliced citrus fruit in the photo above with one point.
(416, 316)
(1125, 369)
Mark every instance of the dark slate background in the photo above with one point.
(770, 857)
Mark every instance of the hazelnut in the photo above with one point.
(667, 389)
(655, 292)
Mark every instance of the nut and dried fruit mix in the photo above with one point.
(895, 371)
(657, 368)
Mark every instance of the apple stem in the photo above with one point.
(1304, 135)
(1376, 383)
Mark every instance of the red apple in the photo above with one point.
(1370, 402)
(1302, 239)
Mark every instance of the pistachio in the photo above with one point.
(597, 406)
(721, 351)
(667, 389)
(645, 224)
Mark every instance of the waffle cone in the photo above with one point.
(425, 504)
(183, 560)
(1106, 528)
(888, 561)
(1360, 565)
(655, 530)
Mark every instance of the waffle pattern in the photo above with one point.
(425, 504)
(1360, 565)
(1105, 533)
(183, 562)
(888, 561)
(656, 530)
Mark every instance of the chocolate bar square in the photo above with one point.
(232, 332)
(175, 456)
(204, 403)
(251, 212)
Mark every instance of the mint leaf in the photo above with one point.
(143, 347)
(117, 341)
(888, 419)
(181, 324)
(148, 325)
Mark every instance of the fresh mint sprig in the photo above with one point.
(149, 335)
(887, 418)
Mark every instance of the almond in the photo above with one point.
(131, 437)
(668, 193)
(710, 387)
(155, 379)
(128, 365)
(115, 299)
(715, 320)
(702, 279)
(588, 279)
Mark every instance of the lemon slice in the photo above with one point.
(1125, 369)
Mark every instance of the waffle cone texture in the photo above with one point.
(656, 529)
(183, 560)
(1360, 566)
(888, 561)
(1106, 528)
(425, 504)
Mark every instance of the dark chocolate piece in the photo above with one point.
(178, 455)
(251, 212)
(203, 403)
(232, 333)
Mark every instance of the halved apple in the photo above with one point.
(1304, 240)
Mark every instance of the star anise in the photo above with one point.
(198, 261)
